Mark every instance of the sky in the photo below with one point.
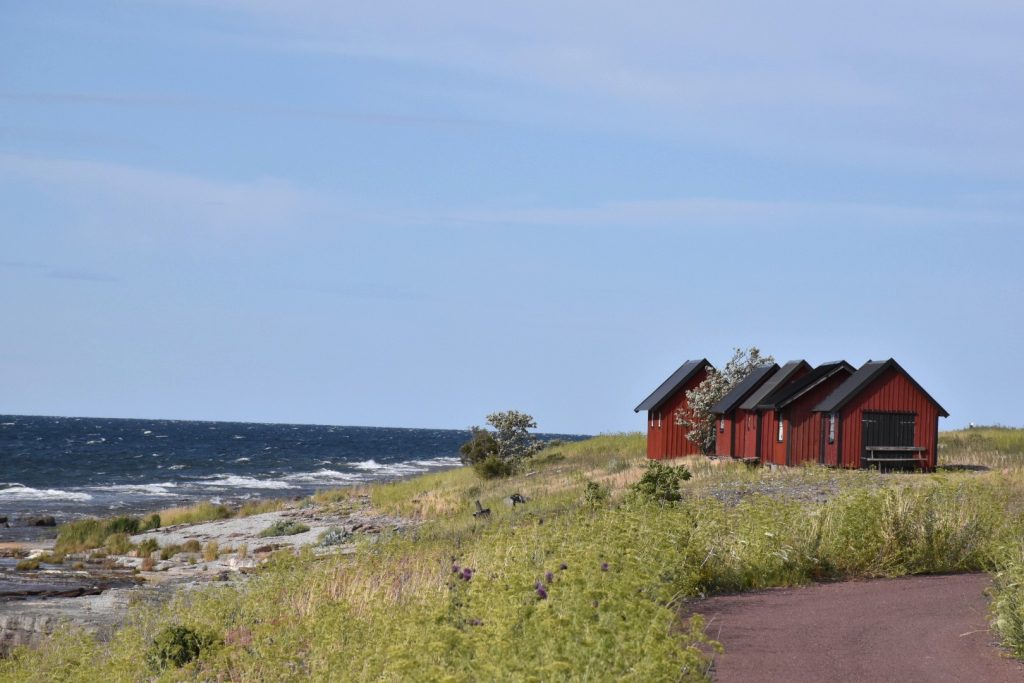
(414, 214)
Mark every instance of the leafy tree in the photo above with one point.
(697, 418)
(511, 428)
(497, 453)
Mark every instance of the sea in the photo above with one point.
(71, 467)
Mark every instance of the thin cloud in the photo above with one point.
(245, 108)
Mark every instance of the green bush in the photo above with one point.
(493, 467)
(661, 482)
(150, 523)
(147, 547)
(192, 545)
(177, 646)
(27, 564)
(595, 494)
(284, 527)
(123, 525)
(167, 552)
(118, 544)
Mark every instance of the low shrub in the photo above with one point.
(194, 514)
(123, 525)
(148, 564)
(52, 558)
(27, 564)
(192, 545)
(594, 494)
(150, 523)
(147, 547)
(335, 536)
(211, 551)
(258, 507)
(242, 551)
(284, 527)
(177, 646)
(118, 544)
(661, 482)
(493, 467)
(167, 552)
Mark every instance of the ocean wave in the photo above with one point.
(177, 467)
(438, 462)
(370, 464)
(324, 475)
(19, 492)
(146, 489)
(241, 459)
(224, 480)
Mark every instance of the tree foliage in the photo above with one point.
(497, 453)
(697, 417)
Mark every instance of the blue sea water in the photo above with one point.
(74, 466)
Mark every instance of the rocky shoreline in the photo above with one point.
(92, 591)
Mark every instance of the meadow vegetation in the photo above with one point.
(586, 581)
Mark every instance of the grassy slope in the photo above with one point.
(397, 611)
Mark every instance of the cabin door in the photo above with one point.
(887, 429)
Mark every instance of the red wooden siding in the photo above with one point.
(891, 392)
(746, 433)
(804, 427)
(665, 438)
(725, 439)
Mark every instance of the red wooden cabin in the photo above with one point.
(795, 436)
(880, 417)
(755, 435)
(730, 419)
(665, 438)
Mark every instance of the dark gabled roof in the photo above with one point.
(739, 392)
(856, 382)
(779, 379)
(791, 392)
(680, 377)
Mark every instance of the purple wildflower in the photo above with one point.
(542, 592)
(456, 569)
(549, 577)
(604, 566)
(467, 574)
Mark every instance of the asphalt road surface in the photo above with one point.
(921, 628)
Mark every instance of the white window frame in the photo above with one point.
(721, 424)
(831, 427)
(780, 437)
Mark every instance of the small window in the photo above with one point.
(721, 424)
(782, 433)
(832, 428)
(659, 419)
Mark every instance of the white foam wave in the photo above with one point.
(241, 459)
(143, 489)
(368, 465)
(324, 475)
(19, 492)
(225, 480)
(177, 467)
(92, 442)
(438, 462)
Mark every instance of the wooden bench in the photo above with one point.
(910, 454)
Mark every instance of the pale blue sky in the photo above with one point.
(413, 214)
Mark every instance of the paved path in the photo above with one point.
(922, 628)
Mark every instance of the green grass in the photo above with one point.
(283, 527)
(194, 514)
(622, 569)
(992, 447)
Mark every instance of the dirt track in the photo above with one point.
(924, 628)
